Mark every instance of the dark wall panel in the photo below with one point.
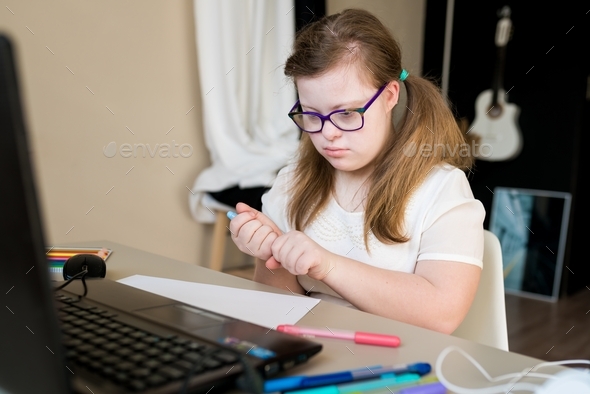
(546, 71)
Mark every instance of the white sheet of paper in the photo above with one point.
(258, 307)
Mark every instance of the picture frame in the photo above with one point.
(532, 227)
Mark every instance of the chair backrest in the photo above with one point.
(486, 320)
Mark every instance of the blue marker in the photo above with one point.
(231, 215)
(303, 382)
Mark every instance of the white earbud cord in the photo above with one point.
(502, 388)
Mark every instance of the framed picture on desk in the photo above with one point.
(532, 228)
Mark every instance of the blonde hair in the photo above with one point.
(358, 38)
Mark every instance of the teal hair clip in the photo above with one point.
(403, 75)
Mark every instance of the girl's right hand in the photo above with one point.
(253, 232)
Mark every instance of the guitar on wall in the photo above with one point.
(496, 120)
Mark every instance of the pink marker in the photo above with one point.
(365, 338)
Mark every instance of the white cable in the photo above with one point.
(503, 388)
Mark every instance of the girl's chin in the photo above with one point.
(342, 165)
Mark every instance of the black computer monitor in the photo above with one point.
(31, 357)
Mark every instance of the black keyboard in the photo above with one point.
(138, 360)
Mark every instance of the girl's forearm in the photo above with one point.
(410, 298)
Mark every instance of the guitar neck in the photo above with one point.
(498, 80)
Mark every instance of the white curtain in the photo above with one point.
(242, 46)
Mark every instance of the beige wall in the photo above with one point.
(137, 58)
(405, 20)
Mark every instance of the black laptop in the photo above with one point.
(97, 335)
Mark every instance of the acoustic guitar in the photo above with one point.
(496, 120)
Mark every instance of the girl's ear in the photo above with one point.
(391, 94)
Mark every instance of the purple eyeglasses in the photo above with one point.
(345, 119)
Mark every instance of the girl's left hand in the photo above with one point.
(300, 255)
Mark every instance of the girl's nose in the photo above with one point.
(331, 132)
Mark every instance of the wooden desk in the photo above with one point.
(418, 344)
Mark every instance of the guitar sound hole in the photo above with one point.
(495, 111)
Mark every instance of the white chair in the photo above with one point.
(486, 320)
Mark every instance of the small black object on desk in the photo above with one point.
(92, 263)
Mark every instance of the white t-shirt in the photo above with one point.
(442, 219)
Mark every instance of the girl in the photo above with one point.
(375, 211)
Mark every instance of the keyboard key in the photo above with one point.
(192, 357)
(98, 341)
(114, 325)
(125, 330)
(108, 371)
(84, 306)
(78, 322)
(195, 346)
(171, 372)
(140, 372)
(87, 336)
(177, 350)
(126, 341)
(139, 346)
(69, 318)
(136, 385)
(152, 363)
(113, 336)
(138, 358)
(84, 360)
(111, 360)
(150, 340)
(110, 346)
(211, 363)
(102, 331)
(181, 341)
(72, 342)
(91, 327)
(187, 366)
(138, 334)
(226, 357)
(98, 353)
(124, 366)
(81, 313)
(156, 380)
(85, 348)
(74, 331)
(167, 357)
(121, 377)
(124, 352)
(152, 352)
(164, 345)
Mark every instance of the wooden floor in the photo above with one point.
(551, 331)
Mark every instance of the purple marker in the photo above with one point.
(428, 388)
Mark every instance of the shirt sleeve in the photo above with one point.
(453, 226)
(274, 201)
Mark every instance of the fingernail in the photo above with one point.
(231, 215)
